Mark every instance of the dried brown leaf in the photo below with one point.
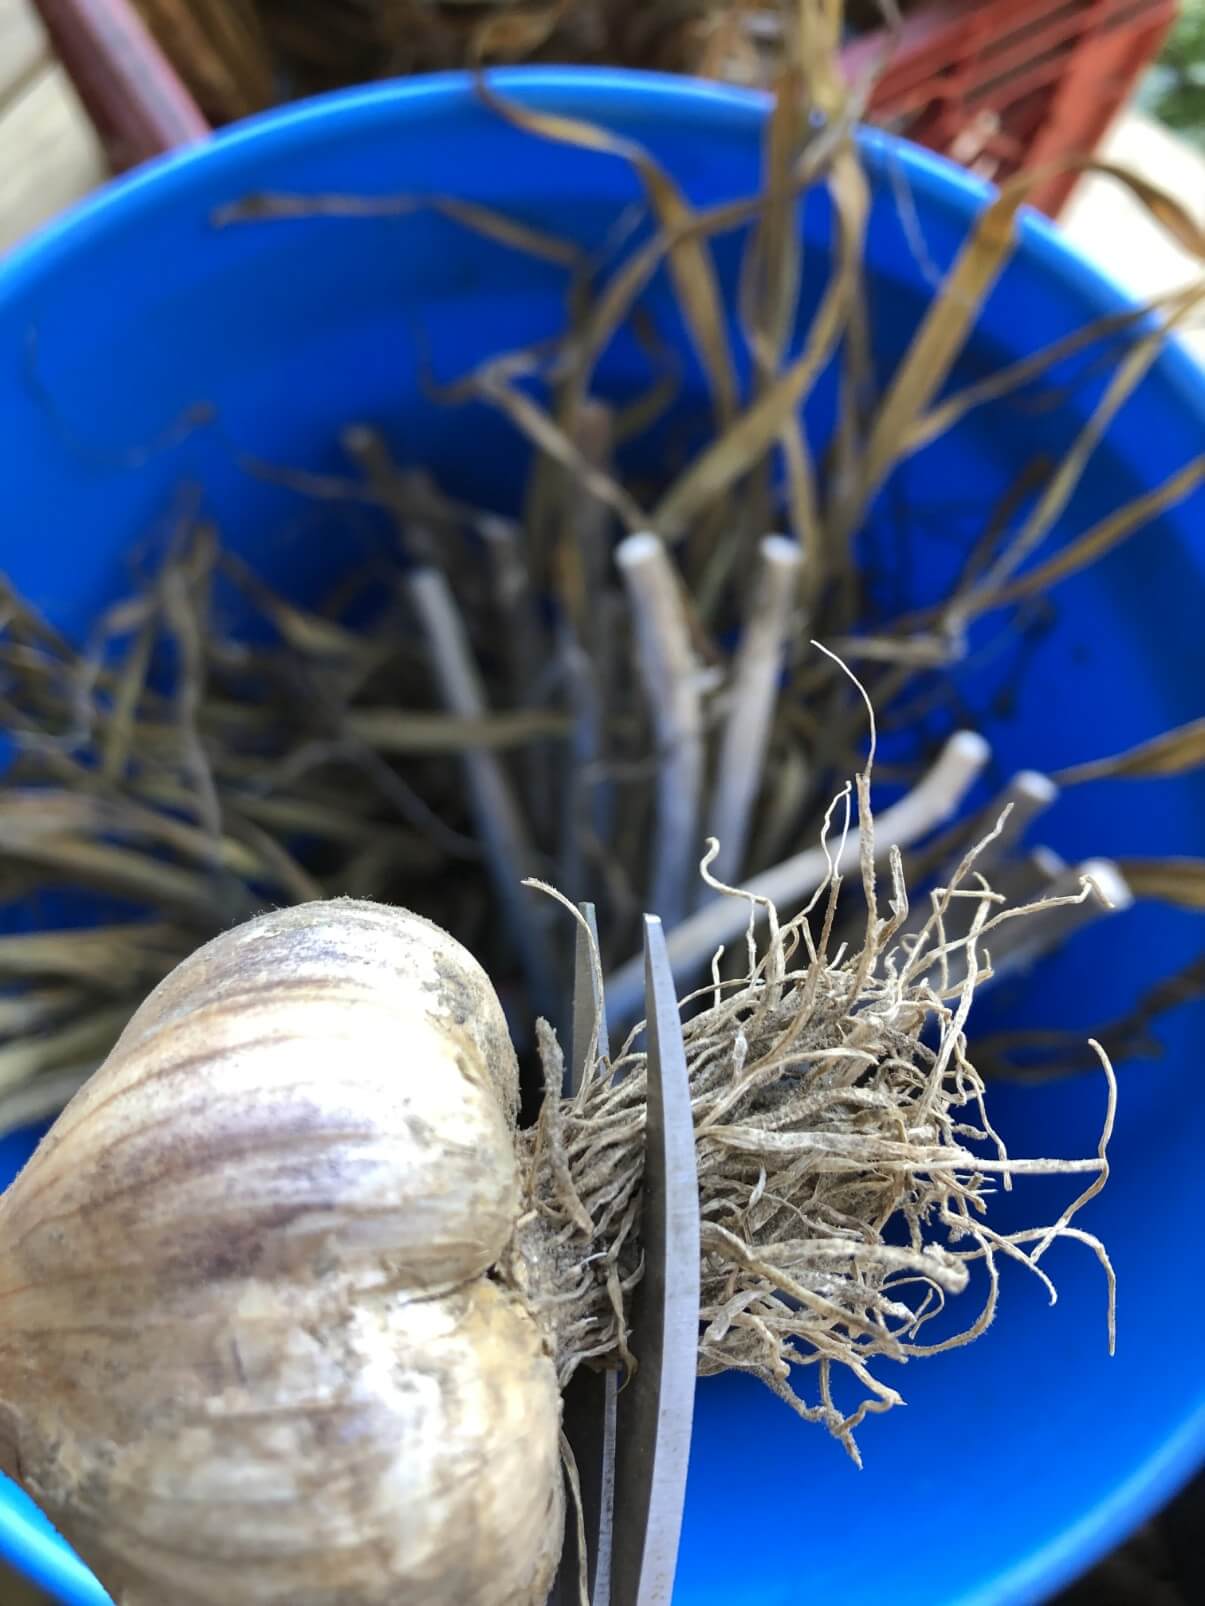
(689, 256)
(408, 733)
(1003, 381)
(274, 206)
(539, 427)
(740, 447)
(1175, 752)
(1129, 374)
(773, 260)
(1163, 207)
(1041, 1055)
(617, 297)
(942, 334)
(513, 33)
(81, 1041)
(1180, 882)
(109, 957)
(1101, 538)
(219, 49)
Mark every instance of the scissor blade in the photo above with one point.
(589, 1421)
(590, 1399)
(656, 1409)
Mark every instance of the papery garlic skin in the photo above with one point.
(250, 1350)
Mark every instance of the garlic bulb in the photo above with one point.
(250, 1346)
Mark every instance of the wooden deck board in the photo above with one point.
(49, 153)
(22, 46)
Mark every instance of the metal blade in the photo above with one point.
(589, 1405)
(657, 1406)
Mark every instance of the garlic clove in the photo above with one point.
(351, 942)
(298, 1451)
(299, 1094)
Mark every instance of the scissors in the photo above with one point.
(632, 1444)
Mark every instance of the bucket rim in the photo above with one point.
(940, 183)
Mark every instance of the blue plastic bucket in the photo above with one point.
(1021, 1459)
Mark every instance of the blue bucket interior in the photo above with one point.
(1020, 1459)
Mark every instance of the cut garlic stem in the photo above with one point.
(670, 676)
(1015, 883)
(579, 797)
(1025, 879)
(496, 812)
(1028, 794)
(754, 689)
(724, 919)
(515, 601)
(1016, 944)
(592, 522)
